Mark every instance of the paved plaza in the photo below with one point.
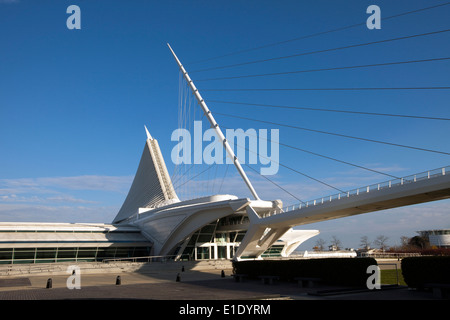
(196, 292)
(188, 285)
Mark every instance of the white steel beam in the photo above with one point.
(215, 126)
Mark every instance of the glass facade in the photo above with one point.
(212, 242)
(217, 240)
(48, 255)
(41, 252)
(273, 251)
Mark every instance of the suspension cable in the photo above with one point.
(327, 157)
(274, 183)
(334, 134)
(331, 110)
(294, 170)
(323, 50)
(332, 89)
(317, 34)
(325, 69)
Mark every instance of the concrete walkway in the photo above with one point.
(192, 285)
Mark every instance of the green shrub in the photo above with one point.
(419, 270)
(342, 271)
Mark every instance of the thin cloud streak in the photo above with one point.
(85, 182)
(62, 199)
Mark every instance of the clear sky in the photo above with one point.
(73, 103)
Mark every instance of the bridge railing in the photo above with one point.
(166, 258)
(366, 189)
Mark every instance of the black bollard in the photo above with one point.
(49, 283)
(222, 274)
(118, 281)
(182, 269)
(178, 278)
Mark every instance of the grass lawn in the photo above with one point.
(390, 277)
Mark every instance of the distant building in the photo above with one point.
(439, 238)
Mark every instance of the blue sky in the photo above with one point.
(73, 103)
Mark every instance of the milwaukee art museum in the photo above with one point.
(154, 222)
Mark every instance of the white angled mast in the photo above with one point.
(215, 126)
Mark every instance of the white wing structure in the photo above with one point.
(205, 228)
(151, 185)
(228, 227)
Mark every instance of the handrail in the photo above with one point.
(147, 258)
(366, 189)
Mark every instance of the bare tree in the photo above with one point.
(320, 245)
(404, 240)
(365, 243)
(381, 242)
(336, 243)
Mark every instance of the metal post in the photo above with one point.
(215, 125)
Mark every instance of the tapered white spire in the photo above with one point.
(151, 185)
(148, 133)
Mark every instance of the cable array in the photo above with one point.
(193, 178)
(326, 69)
(185, 105)
(296, 55)
(335, 134)
(316, 34)
(331, 110)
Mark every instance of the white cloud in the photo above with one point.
(18, 212)
(86, 182)
(62, 199)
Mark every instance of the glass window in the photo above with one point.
(87, 252)
(273, 251)
(24, 255)
(124, 252)
(204, 238)
(141, 252)
(6, 256)
(222, 252)
(239, 237)
(45, 254)
(67, 253)
(203, 253)
(221, 238)
(188, 253)
(104, 253)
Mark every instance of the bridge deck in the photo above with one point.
(428, 186)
